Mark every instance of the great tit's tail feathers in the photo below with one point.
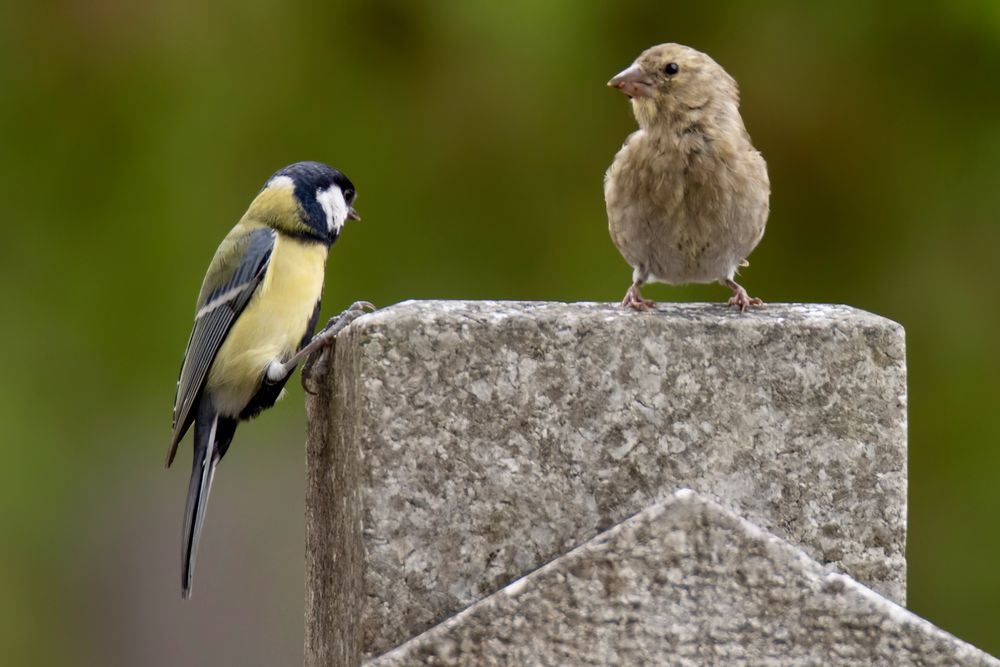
(212, 435)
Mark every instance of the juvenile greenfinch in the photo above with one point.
(687, 195)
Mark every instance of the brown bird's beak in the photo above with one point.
(633, 82)
(352, 214)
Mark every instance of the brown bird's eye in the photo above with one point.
(671, 69)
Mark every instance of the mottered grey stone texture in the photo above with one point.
(455, 446)
(685, 583)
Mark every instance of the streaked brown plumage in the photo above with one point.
(687, 194)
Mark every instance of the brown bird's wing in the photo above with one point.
(236, 270)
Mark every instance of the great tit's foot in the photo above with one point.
(318, 350)
(314, 366)
(740, 298)
(633, 299)
(338, 323)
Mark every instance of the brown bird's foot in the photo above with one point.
(315, 352)
(740, 298)
(633, 299)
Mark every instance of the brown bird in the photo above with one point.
(687, 194)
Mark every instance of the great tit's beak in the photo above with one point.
(352, 214)
(633, 82)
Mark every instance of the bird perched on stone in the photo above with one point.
(687, 194)
(254, 319)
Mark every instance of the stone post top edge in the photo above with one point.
(492, 311)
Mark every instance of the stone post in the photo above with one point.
(455, 446)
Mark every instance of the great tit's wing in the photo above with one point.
(233, 276)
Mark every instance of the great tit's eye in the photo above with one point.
(349, 194)
(671, 68)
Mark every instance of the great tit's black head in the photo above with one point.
(324, 199)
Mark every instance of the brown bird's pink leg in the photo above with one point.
(633, 299)
(740, 298)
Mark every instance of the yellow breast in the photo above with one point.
(271, 326)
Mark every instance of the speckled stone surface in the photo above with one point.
(475, 441)
(685, 583)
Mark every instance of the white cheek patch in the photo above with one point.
(333, 204)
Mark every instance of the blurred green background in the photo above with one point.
(133, 135)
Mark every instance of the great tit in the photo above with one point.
(256, 312)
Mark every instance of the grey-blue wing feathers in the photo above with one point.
(236, 271)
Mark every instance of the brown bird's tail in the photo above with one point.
(212, 435)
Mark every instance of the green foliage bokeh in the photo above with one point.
(133, 135)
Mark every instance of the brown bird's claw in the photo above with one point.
(744, 300)
(634, 300)
(740, 298)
